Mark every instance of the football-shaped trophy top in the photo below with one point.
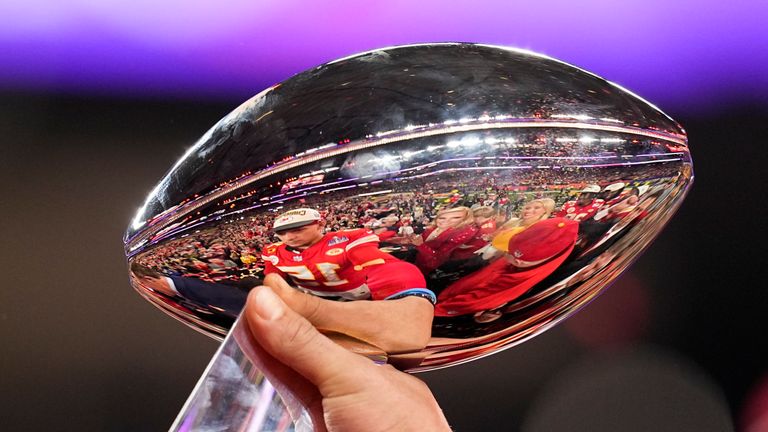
(438, 202)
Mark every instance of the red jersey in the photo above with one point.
(487, 228)
(571, 210)
(346, 265)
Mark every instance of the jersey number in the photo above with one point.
(303, 272)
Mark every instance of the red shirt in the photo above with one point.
(446, 246)
(571, 210)
(344, 264)
(487, 229)
(494, 285)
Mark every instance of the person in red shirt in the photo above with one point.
(347, 265)
(610, 194)
(448, 240)
(485, 219)
(382, 232)
(533, 255)
(584, 207)
(386, 228)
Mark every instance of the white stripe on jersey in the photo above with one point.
(271, 258)
(367, 239)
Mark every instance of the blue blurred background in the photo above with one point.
(98, 99)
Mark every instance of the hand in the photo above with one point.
(393, 326)
(416, 240)
(351, 393)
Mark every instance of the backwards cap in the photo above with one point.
(296, 218)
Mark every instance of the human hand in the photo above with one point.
(343, 391)
(392, 326)
(416, 240)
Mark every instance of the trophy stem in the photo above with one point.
(234, 395)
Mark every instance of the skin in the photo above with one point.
(626, 202)
(342, 391)
(449, 220)
(444, 221)
(394, 326)
(302, 237)
(532, 212)
(388, 222)
(585, 198)
(479, 220)
(158, 284)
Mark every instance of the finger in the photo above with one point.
(304, 304)
(275, 281)
(292, 340)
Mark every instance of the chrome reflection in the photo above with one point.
(476, 194)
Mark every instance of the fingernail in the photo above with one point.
(268, 306)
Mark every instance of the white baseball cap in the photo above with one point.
(615, 186)
(296, 218)
(591, 188)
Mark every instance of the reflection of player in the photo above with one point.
(584, 207)
(336, 264)
(449, 240)
(348, 265)
(533, 254)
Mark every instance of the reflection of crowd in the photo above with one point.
(473, 176)
(449, 226)
(479, 243)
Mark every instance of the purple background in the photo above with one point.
(682, 55)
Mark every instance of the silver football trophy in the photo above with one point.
(496, 189)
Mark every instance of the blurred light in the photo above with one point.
(375, 193)
(618, 316)
(639, 388)
(581, 117)
(754, 412)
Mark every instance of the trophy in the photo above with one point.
(475, 195)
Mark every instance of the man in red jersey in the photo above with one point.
(584, 207)
(347, 265)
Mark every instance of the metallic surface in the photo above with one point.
(406, 132)
(234, 391)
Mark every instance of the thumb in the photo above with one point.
(292, 340)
